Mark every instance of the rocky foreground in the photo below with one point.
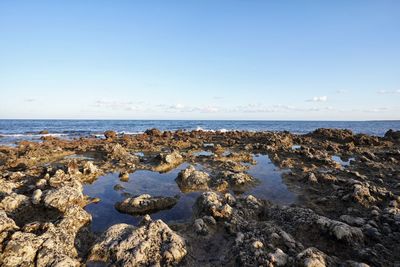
(345, 215)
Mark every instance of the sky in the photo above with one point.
(205, 59)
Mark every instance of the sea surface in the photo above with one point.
(12, 131)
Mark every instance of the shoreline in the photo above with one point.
(347, 209)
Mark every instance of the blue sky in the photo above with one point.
(296, 60)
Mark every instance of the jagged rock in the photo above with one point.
(146, 204)
(151, 244)
(356, 221)
(7, 225)
(110, 135)
(210, 203)
(6, 187)
(90, 168)
(394, 135)
(64, 197)
(191, 180)
(168, 161)
(117, 152)
(312, 178)
(340, 231)
(312, 257)
(153, 132)
(278, 258)
(124, 176)
(73, 168)
(47, 244)
(200, 227)
(36, 196)
(362, 195)
(238, 179)
(14, 202)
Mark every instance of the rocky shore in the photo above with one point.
(347, 211)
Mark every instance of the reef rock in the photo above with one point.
(191, 180)
(151, 244)
(146, 204)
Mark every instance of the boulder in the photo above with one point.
(151, 244)
(47, 244)
(191, 180)
(145, 204)
(341, 231)
(109, 135)
(64, 197)
(311, 257)
(89, 168)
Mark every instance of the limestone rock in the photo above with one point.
(191, 180)
(311, 257)
(146, 204)
(340, 231)
(151, 244)
(64, 197)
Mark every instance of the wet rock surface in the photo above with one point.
(347, 212)
(145, 204)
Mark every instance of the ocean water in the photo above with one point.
(12, 131)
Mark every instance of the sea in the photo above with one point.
(13, 131)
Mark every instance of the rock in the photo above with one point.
(191, 180)
(14, 202)
(238, 179)
(124, 176)
(64, 197)
(109, 135)
(153, 132)
(73, 168)
(355, 221)
(279, 258)
(168, 161)
(312, 257)
(36, 196)
(340, 231)
(41, 183)
(44, 132)
(89, 168)
(210, 203)
(393, 135)
(151, 244)
(117, 152)
(312, 178)
(257, 244)
(200, 227)
(146, 204)
(362, 195)
(172, 158)
(7, 226)
(47, 244)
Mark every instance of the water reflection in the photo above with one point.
(110, 189)
(140, 182)
(343, 163)
(271, 185)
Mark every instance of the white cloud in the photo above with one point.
(318, 99)
(341, 91)
(388, 92)
(120, 105)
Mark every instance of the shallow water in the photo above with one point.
(140, 182)
(110, 190)
(271, 185)
(203, 153)
(343, 163)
